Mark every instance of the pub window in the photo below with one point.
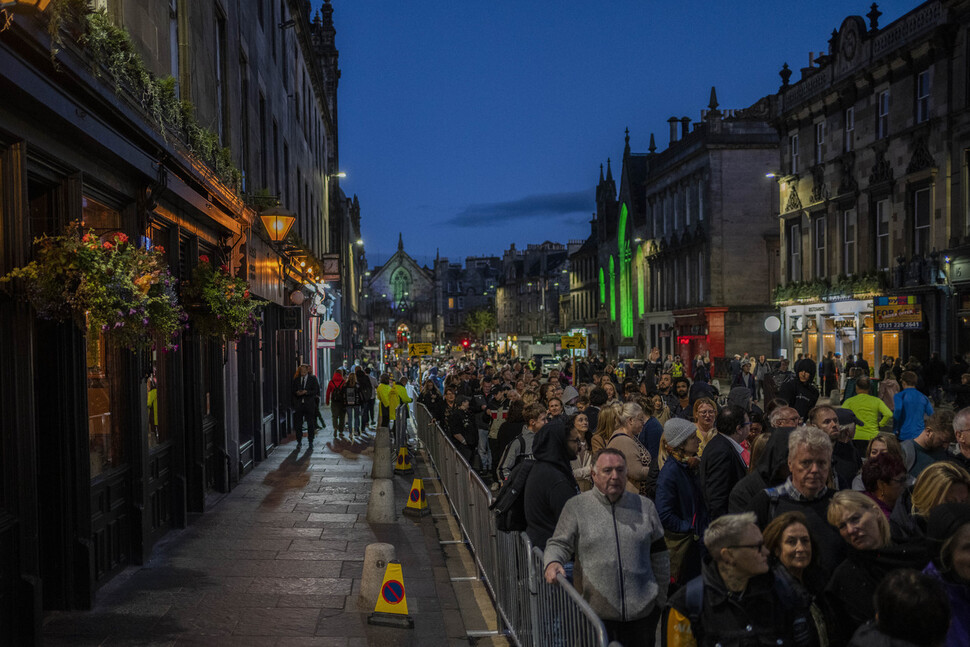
(882, 235)
(106, 446)
(848, 241)
(156, 393)
(921, 222)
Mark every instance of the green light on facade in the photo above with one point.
(641, 303)
(626, 293)
(612, 290)
(602, 288)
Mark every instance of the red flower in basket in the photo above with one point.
(203, 258)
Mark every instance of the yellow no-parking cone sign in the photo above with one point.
(403, 463)
(417, 500)
(391, 609)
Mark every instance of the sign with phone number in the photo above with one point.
(897, 313)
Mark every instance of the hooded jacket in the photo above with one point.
(336, 382)
(550, 484)
(799, 395)
(959, 594)
(771, 470)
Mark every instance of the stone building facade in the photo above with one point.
(533, 283)
(461, 290)
(873, 186)
(139, 442)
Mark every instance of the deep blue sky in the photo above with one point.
(470, 125)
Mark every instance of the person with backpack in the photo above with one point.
(617, 542)
(353, 402)
(535, 417)
(366, 389)
(337, 402)
(551, 482)
(738, 599)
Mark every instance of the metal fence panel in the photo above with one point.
(532, 612)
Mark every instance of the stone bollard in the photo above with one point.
(376, 558)
(380, 505)
(383, 467)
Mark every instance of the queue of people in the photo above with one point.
(724, 522)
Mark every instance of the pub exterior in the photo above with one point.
(102, 449)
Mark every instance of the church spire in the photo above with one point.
(713, 104)
(653, 144)
(609, 171)
(601, 174)
(400, 242)
(626, 142)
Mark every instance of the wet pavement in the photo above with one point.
(278, 562)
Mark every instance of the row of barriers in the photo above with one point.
(531, 611)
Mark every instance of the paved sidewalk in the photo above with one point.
(276, 562)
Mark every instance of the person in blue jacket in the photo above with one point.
(909, 408)
(680, 501)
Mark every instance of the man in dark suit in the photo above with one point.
(306, 395)
(721, 463)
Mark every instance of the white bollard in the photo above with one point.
(380, 505)
(376, 558)
(383, 467)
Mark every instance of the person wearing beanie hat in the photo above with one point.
(680, 501)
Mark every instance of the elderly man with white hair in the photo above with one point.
(806, 490)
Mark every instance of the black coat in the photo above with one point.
(801, 396)
(771, 470)
(312, 388)
(848, 596)
(721, 469)
(758, 617)
(550, 483)
(831, 548)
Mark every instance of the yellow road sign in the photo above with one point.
(575, 342)
(420, 350)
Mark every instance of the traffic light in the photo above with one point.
(388, 345)
(464, 343)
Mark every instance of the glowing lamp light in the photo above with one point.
(771, 174)
(278, 222)
(360, 241)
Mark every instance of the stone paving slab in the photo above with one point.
(277, 562)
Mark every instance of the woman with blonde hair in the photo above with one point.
(630, 420)
(610, 389)
(704, 414)
(870, 556)
(606, 424)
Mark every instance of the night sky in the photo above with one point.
(472, 125)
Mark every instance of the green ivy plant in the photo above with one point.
(105, 283)
(841, 287)
(219, 304)
(112, 49)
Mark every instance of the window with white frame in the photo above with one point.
(882, 235)
(921, 222)
(882, 115)
(923, 96)
(849, 143)
(820, 265)
(795, 252)
(793, 150)
(849, 222)
(820, 142)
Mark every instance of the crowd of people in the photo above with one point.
(797, 507)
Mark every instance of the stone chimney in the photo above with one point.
(673, 121)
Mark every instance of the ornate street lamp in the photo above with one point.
(277, 222)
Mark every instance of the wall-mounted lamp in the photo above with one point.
(277, 221)
(360, 241)
(337, 174)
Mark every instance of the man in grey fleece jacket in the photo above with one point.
(622, 563)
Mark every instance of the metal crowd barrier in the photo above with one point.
(533, 613)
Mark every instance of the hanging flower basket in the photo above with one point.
(105, 283)
(218, 303)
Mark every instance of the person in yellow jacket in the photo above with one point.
(389, 399)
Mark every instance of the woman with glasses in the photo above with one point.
(870, 556)
(737, 600)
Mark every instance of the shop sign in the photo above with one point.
(818, 309)
(897, 313)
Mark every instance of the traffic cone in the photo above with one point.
(391, 609)
(403, 463)
(417, 501)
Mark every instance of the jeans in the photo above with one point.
(483, 450)
(353, 419)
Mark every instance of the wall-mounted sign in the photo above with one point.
(329, 330)
(897, 313)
